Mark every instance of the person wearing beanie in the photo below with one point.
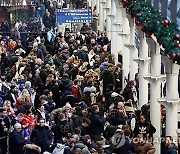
(17, 141)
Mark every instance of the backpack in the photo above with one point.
(109, 131)
(59, 149)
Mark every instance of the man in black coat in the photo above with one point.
(41, 135)
(48, 20)
(24, 34)
(84, 127)
(3, 132)
(128, 93)
(97, 124)
(17, 141)
(12, 95)
(82, 54)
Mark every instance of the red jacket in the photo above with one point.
(76, 92)
(28, 120)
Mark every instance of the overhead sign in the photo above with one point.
(74, 16)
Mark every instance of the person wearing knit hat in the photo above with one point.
(17, 141)
(17, 126)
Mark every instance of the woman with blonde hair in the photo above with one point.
(8, 108)
(49, 80)
(23, 98)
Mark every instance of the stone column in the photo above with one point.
(114, 47)
(104, 13)
(101, 16)
(132, 49)
(97, 6)
(143, 61)
(124, 34)
(108, 18)
(155, 80)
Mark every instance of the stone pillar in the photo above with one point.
(155, 80)
(104, 14)
(143, 61)
(132, 49)
(101, 16)
(124, 34)
(97, 6)
(114, 47)
(108, 19)
(119, 27)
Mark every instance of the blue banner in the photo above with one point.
(74, 16)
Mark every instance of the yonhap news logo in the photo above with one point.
(118, 140)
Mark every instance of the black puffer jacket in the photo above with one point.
(42, 137)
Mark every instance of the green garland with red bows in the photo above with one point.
(152, 22)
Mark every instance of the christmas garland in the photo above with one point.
(152, 22)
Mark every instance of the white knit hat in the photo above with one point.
(17, 125)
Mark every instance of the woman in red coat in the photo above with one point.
(28, 120)
(76, 90)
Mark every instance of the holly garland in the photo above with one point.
(152, 22)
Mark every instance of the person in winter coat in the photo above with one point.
(41, 135)
(62, 129)
(48, 20)
(144, 147)
(104, 66)
(58, 60)
(17, 141)
(84, 127)
(28, 120)
(42, 113)
(81, 113)
(76, 90)
(82, 54)
(108, 77)
(81, 148)
(85, 29)
(127, 93)
(168, 147)
(118, 114)
(143, 126)
(3, 132)
(23, 34)
(128, 147)
(12, 95)
(37, 52)
(97, 124)
(118, 77)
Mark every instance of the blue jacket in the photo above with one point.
(172, 150)
(83, 55)
(23, 34)
(17, 143)
(97, 124)
(127, 148)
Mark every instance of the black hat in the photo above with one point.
(83, 105)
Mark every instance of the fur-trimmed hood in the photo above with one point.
(33, 147)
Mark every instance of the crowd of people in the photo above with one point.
(62, 94)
